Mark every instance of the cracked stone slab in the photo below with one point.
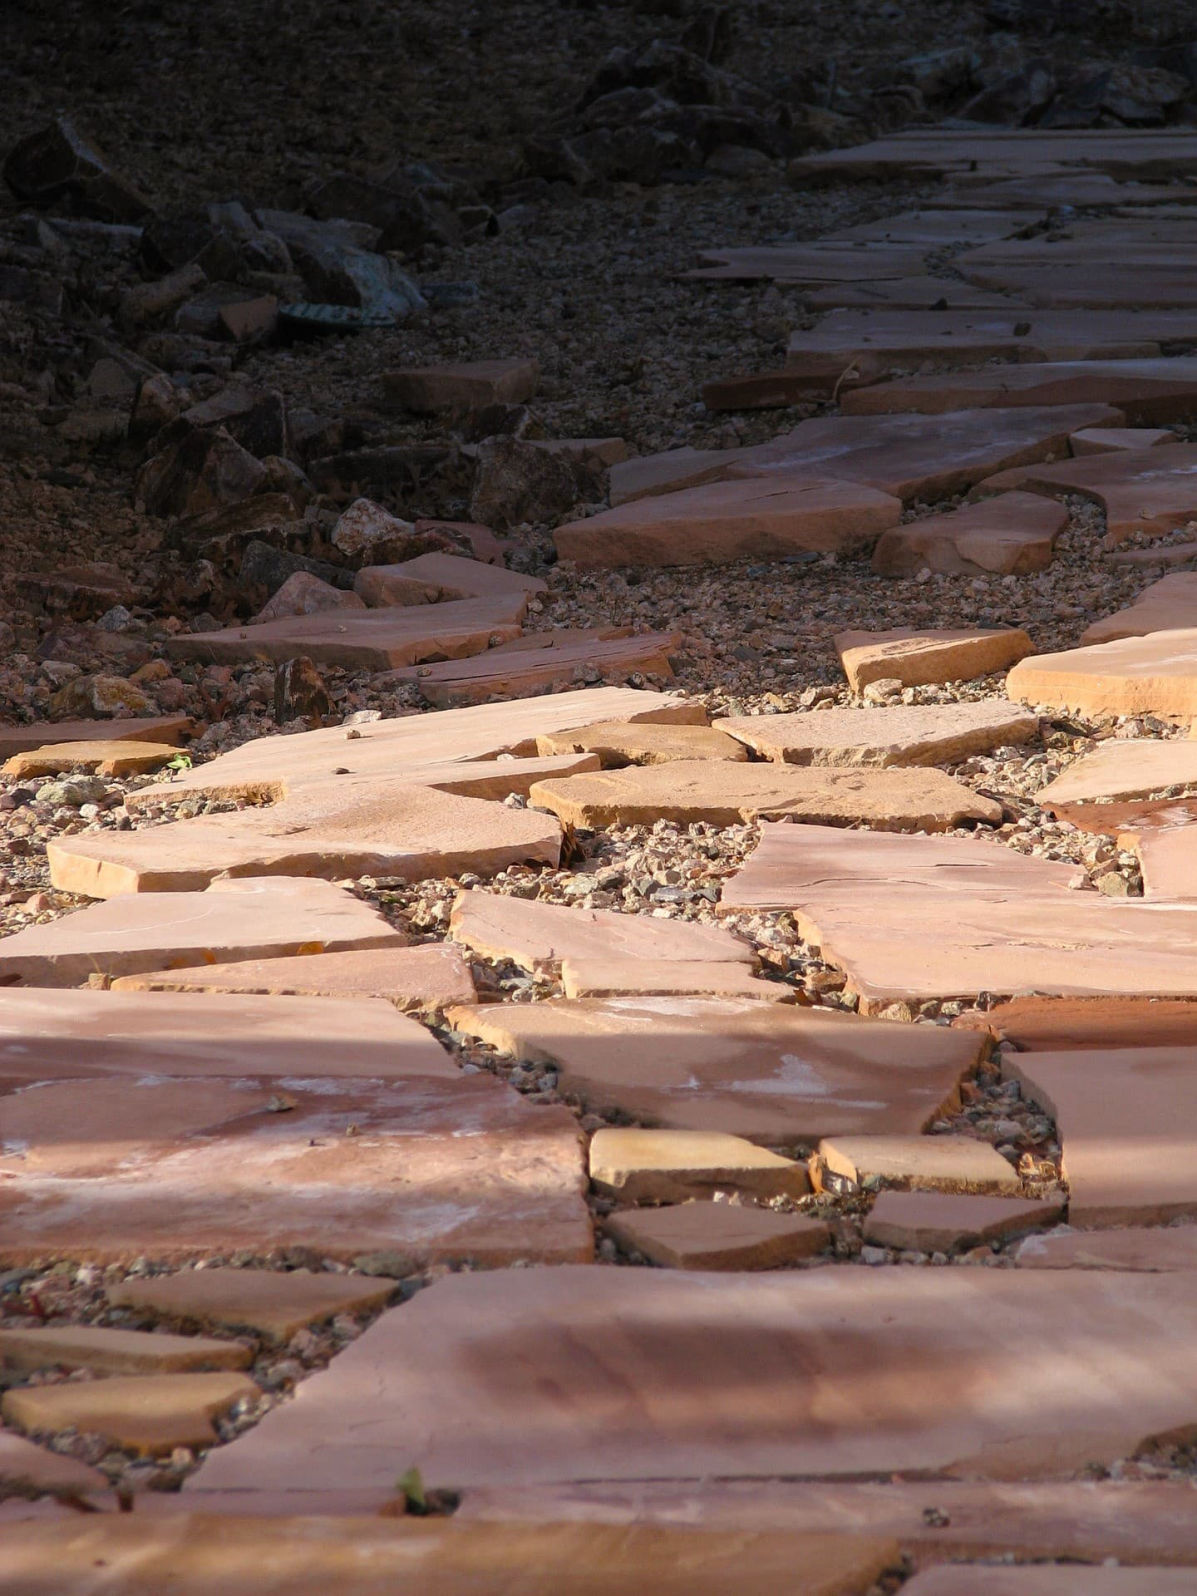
(1151, 675)
(906, 734)
(171, 729)
(272, 1303)
(924, 658)
(931, 1221)
(1012, 533)
(710, 1235)
(105, 1351)
(1146, 391)
(148, 1414)
(1139, 489)
(1169, 605)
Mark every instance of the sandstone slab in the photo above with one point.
(919, 658)
(151, 1414)
(776, 1075)
(1048, 1025)
(1169, 605)
(1146, 391)
(466, 385)
(1123, 768)
(907, 734)
(1151, 675)
(907, 293)
(1139, 489)
(815, 262)
(710, 1235)
(1167, 860)
(652, 977)
(1162, 280)
(116, 1351)
(541, 662)
(29, 1470)
(1148, 1251)
(1054, 1581)
(666, 1166)
(1012, 533)
(171, 729)
(271, 1303)
(1108, 440)
(617, 743)
(920, 1163)
(1156, 556)
(437, 578)
(111, 758)
(305, 594)
(977, 157)
(929, 1221)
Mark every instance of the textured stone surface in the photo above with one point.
(927, 1163)
(150, 1414)
(464, 385)
(1152, 675)
(1107, 440)
(1048, 1025)
(106, 1351)
(648, 977)
(435, 578)
(1014, 532)
(916, 658)
(153, 729)
(272, 1303)
(1146, 391)
(29, 1470)
(1133, 767)
(907, 734)
(710, 1235)
(930, 1221)
(668, 1166)
(1150, 1251)
(1139, 490)
(1058, 1581)
(1169, 605)
(541, 661)
(619, 744)
(106, 758)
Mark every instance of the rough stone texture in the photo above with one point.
(305, 594)
(1140, 491)
(105, 758)
(917, 658)
(920, 1163)
(1169, 605)
(29, 1470)
(1147, 391)
(907, 734)
(976, 156)
(153, 729)
(542, 662)
(1014, 532)
(233, 919)
(923, 1221)
(776, 1075)
(423, 979)
(1155, 556)
(467, 385)
(710, 1235)
(1149, 1251)
(269, 1302)
(150, 1414)
(1107, 440)
(435, 578)
(433, 1170)
(653, 977)
(1168, 862)
(117, 1351)
(1124, 768)
(1048, 1025)
(618, 743)
(815, 262)
(662, 1166)
(1152, 675)
(1059, 1581)
(549, 1375)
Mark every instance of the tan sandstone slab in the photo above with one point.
(1146, 391)
(1012, 533)
(1049, 1024)
(254, 918)
(653, 977)
(1151, 675)
(764, 517)
(171, 729)
(1140, 490)
(463, 385)
(619, 744)
(172, 1169)
(421, 979)
(774, 1074)
(930, 1221)
(711, 1235)
(151, 1414)
(436, 578)
(920, 1163)
(272, 1303)
(1108, 440)
(920, 658)
(126, 758)
(664, 1166)
(1169, 605)
(906, 734)
(1134, 767)
(540, 662)
(106, 1351)
(544, 1376)
(1148, 1251)
(29, 1470)
(533, 933)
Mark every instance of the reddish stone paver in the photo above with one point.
(618, 743)
(272, 1303)
(906, 734)
(928, 1221)
(172, 729)
(104, 1351)
(29, 1470)
(1108, 440)
(1151, 675)
(466, 385)
(653, 977)
(540, 662)
(1140, 490)
(1014, 532)
(148, 1414)
(1134, 767)
(1047, 1024)
(1169, 605)
(435, 578)
(919, 1163)
(915, 658)
(1146, 391)
(670, 1165)
(106, 758)
(716, 1235)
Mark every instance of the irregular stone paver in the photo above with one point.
(371, 640)
(619, 744)
(466, 385)
(1169, 605)
(272, 1303)
(930, 1221)
(433, 1170)
(424, 978)
(907, 734)
(918, 658)
(1126, 1120)
(254, 918)
(1097, 283)
(710, 1235)
(1168, 862)
(533, 933)
(1144, 390)
(552, 1375)
(1014, 532)
(153, 729)
(665, 1166)
(908, 293)
(1140, 490)
(1058, 1581)
(117, 1351)
(1160, 556)
(687, 791)
(533, 666)
(435, 578)
(1049, 1024)
(29, 1470)
(763, 517)
(1106, 440)
(815, 262)
(768, 1072)
(305, 594)
(1133, 767)
(52, 1034)
(105, 758)
(926, 1163)
(652, 977)
(1152, 675)
(149, 1414)
(1150, 1251)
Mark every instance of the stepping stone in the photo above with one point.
(1059, 1581)
(371, 640)
(920, 1163)
(602, 1366)
(254, 919)
(271, 1303)
(435, 1171)
(688, 791)
(931, 1221)
(652, 977)
(709, 1235)
(305, 594)
(1147, 1251)
(465, 385)
(1071, 284)
(766, 517)
(534, 934)
(980, 155)
(424, 979)
(816, 262)
(618, 743)
(50, 1034)
(1139, 489)
(149, 1415)
(435, 578)
(116, 1351)
(1134, 767)
(1047, 1025)
(1108, 440)
(773, 1074)
(1168, 862)
(1125, 1120)
(1169, 605)
(907, 734)
(918, 659)
(29, 1470)
(1158, 555)
(155, 729)
(561, 661)
(1014, 532)
(1152, 675)
(1146, 391)
(105, 758)
(668, 1166)
(908, 293)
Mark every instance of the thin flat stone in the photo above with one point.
(437, 1171)
(930, 1221)
(1167, 861)
(1060, 1581)
(1146, 391)
(1160, 556)
(532, 933)
(1100, 285)
(710, 1235)
(29, 1470)
(1108, 440)
(546, 1376)
(618, 743)
(106, 1351)
(1139, 489)
(150, 1415)
(664, 1166)
(153, 729)
(462, 385)
(436, 578)
(980, 155)
(111, 758)
(920, 658)
(920, 1163)
(270, 1302)
(1169, 605)
(255, 918)
(422, 979)
(1147, 1251)
(774, 1074)
(537, 662)
(1050, 1024)
(908, 293)
(1152, 675)
(907, 734)
(1012, 533)
(1134, 767)
(653, 977)
(815, 262)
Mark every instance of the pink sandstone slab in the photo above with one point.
(435, 578)
(618, 743)
(1160, 280)
(816, 262)
(931, 1221)
(1109, 440)
(1149, 1251)
(764, 517)
(915, 658)
(1047, 1025)
(772, 1073)
(1151, 675)
(106, 758)
(172, 729)
(1058, 1581)
(106, 1351)
(1146, 391)
(171, 1169)
(907, 734)
(255, 918)
(149, 1415)
(1168, 862)
(270, 1302)
(546, 1376)
(723, 1236)
(908, 293)
(1134, 767)
(978, 156)
(919, 1163)
(423, 979)
(462, 385)
(562, 660)
(1012, 533)
(654, 977)
(1169, 605)
(1155, 556)
(29, 1470)
(637, 1166)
